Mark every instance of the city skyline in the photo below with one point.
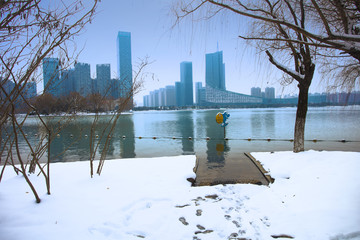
(212, 94)
(153, 34)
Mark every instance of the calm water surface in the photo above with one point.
(330, 124)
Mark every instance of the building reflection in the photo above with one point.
(185, 125)
(75, 138)
(263, 124)
(125, 127)
(270, 123)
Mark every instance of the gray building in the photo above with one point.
(156, 98)
(152, 99)
(256, 91)
(161, 97)
(270, 92)
(214, 96)
(170, 100)
(146, 101)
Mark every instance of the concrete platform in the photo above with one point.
(229, 169)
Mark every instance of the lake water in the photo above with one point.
(134, 133)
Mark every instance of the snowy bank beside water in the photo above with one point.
(315, 196)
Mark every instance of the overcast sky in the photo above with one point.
(152, 35)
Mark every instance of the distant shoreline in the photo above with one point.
(243, 106)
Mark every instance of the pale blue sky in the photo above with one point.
(150, 24)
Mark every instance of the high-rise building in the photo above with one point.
(152, 99)
(8, 86)
(186, 78)
(114, 88)
(51, 76)
(103, 79)
(162, 97)
(94, 87)
(30, 90)
(215, 70)
(178, 94)
(67, 79)
(156, 98)
(269, 92)
(256, 92)
(170, 100)
(124, 63)
(146, 101)
(198, 88)
(82, 79)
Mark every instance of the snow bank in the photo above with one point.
(315, 196)
(131, 198)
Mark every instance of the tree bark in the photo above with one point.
(299, 133)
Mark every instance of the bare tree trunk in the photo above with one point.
(22, 165)
(299, 133)
(48, 164)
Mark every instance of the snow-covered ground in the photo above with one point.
(316, 195)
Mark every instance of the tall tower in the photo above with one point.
(123, 43)
(215, 70)
(51, 75)
(186, 78)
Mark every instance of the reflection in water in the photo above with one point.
(70, 135)
(76, 140)
(217, 147)
(263, 122)
(125, 127)
(322, 123)
(185, 124)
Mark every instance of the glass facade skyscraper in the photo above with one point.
(51, 76)
(215, 70)
(179, 94)
(82, 80)
(67, 79)
(103, 79)
(30, 90)
(186, 79)
(123, 43)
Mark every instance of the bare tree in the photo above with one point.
(125, 102)
(31, 30)
(303, 30)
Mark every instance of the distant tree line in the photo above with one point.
(73, 103)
